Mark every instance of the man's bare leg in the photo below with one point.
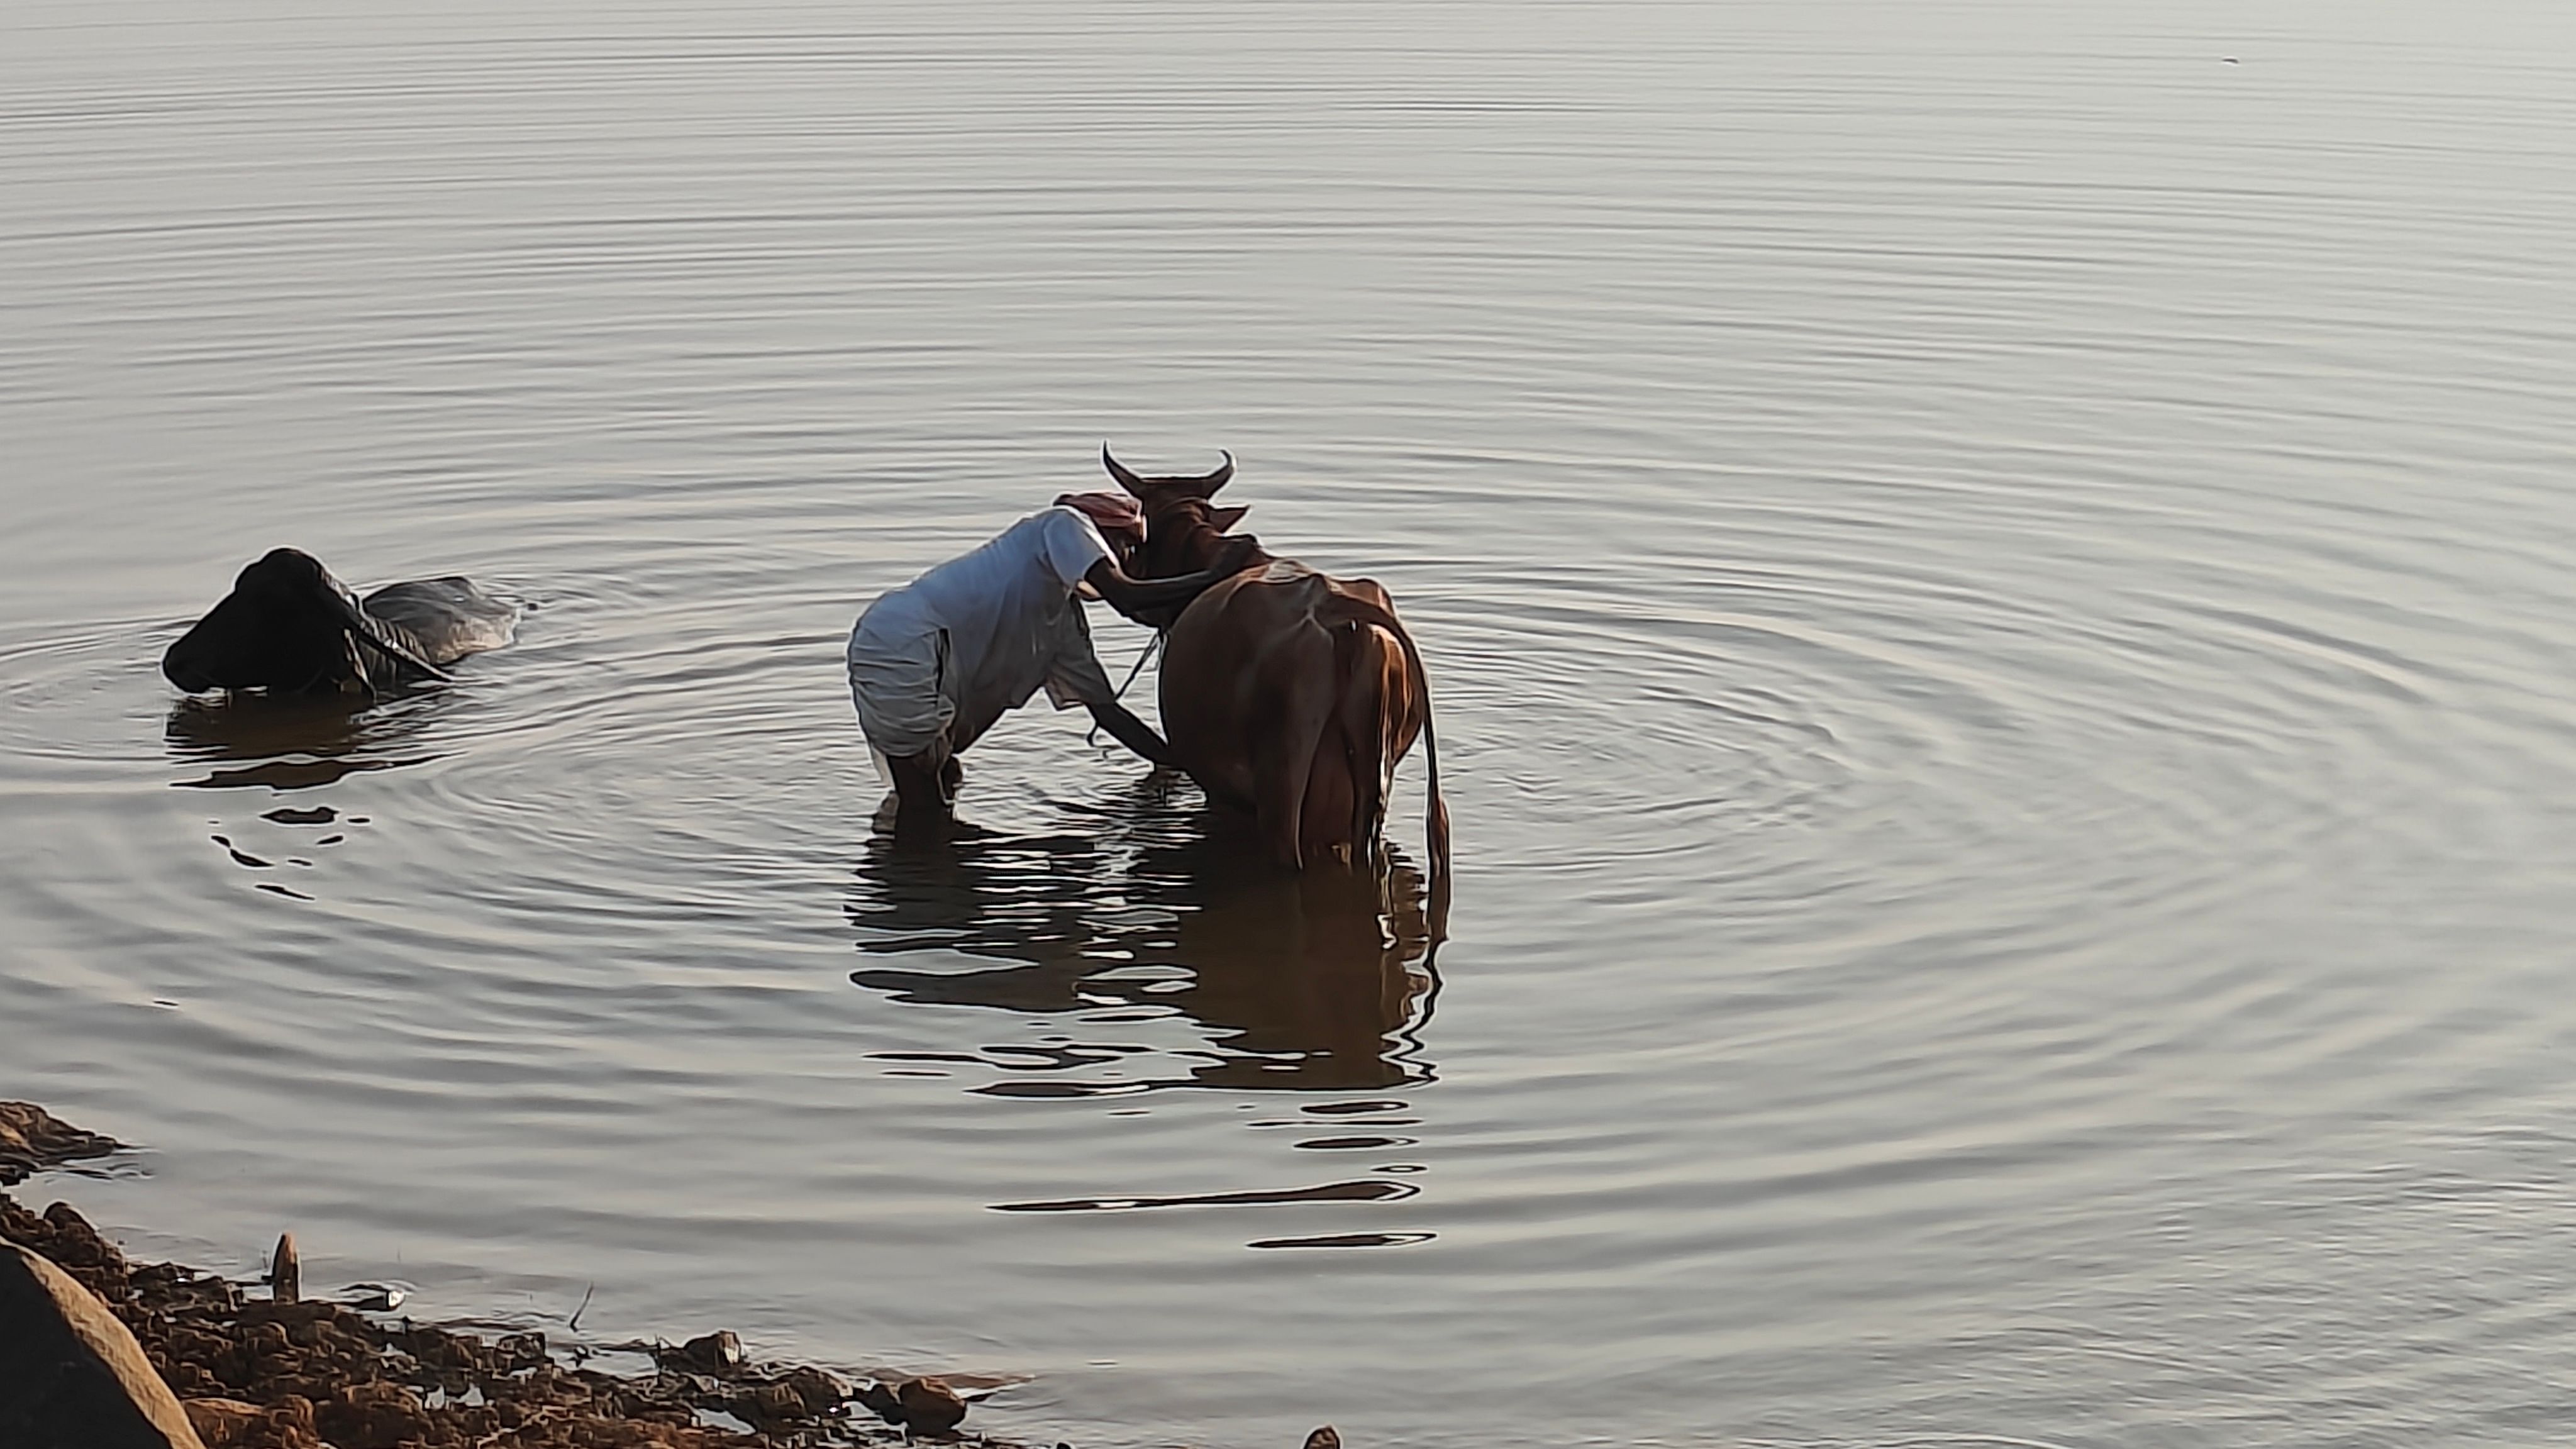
(921, 798)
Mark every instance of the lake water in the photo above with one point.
(1997, 579)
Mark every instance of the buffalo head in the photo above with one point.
(288, 626)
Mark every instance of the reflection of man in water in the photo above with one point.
(934, 663)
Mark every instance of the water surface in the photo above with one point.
(1996, 578)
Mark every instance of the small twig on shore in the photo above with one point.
(574, 1322)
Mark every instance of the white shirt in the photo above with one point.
(1011, 617)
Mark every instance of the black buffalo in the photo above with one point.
(288, 627)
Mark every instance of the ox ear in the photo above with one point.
(1126, 477)
(1225, 518)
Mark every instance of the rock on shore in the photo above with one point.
(71, 1374)
(32, 1139)
(100, 1353)
(259, 1374)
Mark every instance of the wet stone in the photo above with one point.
(818, 1391)
(274, 1375)
(269, 1372)
(930, 1406)
(72, 1375)
(233, 1424)
(717, 1353)
(882, 1398)
(33, 1139)
(285, 1271)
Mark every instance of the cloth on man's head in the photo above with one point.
(1107, 510)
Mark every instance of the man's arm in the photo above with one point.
(1134, 733)
(1154, 602)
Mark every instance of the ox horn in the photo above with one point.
(1203, 486)
(1126, 477)
(1218, 479)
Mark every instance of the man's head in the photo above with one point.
(1120, 519)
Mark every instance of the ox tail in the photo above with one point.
(1435, 815)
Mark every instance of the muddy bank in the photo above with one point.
(257, 1369)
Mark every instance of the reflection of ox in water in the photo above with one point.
(296, 741)
(1287, 693)
(1315, 982)
(272, 761)
(289, 627)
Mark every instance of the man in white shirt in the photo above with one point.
(936, 662)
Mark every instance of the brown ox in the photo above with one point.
(1286, 693)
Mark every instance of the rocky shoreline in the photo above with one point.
(263, 1370)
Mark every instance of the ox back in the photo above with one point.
(444, 619)
(1292, 695)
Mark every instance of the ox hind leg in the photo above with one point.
(1346, 798)
(1290, 725)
